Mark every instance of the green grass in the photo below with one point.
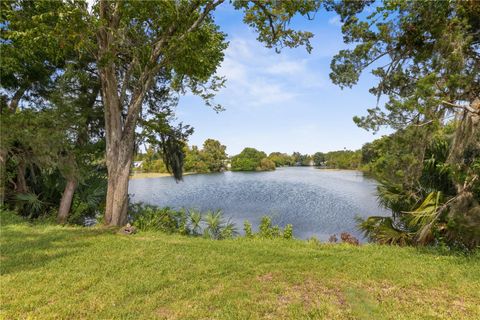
(72, 272)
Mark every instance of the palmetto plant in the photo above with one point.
(195, 221)
(424, 225)
(214, 222)
(416, 226)
(384, 231)
(229, 230)
(424, 218)
(31, 203)
(440, 206)
(217, 227)
(192, 222)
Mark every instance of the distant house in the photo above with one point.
(227, 164)
(137, 164)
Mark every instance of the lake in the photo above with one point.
(316, 202)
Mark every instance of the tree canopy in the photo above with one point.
(250, 159)
(426, 58)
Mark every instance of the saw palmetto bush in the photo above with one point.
(442, 207)
(217, 227)
(192, 222)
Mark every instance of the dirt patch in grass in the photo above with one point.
(164, 313)
(439, 301)
(267, 277)
(311, 292)
(357, 300)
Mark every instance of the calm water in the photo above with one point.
(316, 202)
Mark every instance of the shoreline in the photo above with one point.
(337, 169)
(147, 175)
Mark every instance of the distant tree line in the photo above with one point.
(211, 158)
(250, 159)
(342, 159)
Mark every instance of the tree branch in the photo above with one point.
(463, 107)
(12, 107)
(270, 16)
(153, 66)
(126, 80)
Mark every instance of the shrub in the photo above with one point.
(30, 205)
(195, 221)
(216, 226)
(251, 159)
(288, 232)
(191, 222)
(267, 230)
(348, 238)
(152, 218)
(266, 227)
(314, 241)
(229, 230)
(333, 238)
(275, 232)
(266, 165)
(247, 228)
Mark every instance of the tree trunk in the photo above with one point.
(119, 127)
(66, 202)
(120, 144)
(21, 185)
(3, 174)
(16, 99)
(118, 165)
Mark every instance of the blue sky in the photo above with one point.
(281, 102)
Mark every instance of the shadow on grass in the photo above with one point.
(25, 248)
(440, 252)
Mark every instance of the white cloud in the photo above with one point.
(257, 76)
(269, 93)
(287, 68)
(335, 21)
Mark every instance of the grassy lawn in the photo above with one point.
(71, 272)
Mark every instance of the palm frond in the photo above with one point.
(384, 231)
(195, 221)
(31, 203)
(425, 216)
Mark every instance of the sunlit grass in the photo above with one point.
(72, 272)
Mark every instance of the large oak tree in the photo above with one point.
(174, 44)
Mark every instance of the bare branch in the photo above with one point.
(422, 124)
(463, 107)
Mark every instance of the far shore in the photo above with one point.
(144, 175)
(336, 169)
